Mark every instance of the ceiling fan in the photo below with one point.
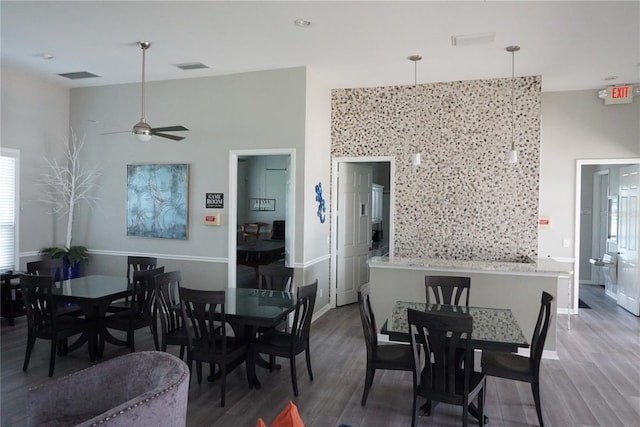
(142, 130)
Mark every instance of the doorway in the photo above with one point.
(359, 229)
(261, 191)
(597, 181)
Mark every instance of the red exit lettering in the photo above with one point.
(620, 92)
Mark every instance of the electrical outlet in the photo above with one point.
(566, 243)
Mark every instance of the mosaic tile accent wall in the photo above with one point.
(465, 201)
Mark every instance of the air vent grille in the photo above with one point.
(78, 75)
(191, 66)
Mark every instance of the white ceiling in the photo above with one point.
(572, 45)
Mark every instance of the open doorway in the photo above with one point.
(362, 221)
(261, 219)
(597, 225)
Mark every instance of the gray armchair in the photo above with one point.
(147, 388)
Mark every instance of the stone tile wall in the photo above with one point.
(465, 201)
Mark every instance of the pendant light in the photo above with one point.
(415, 157)
(513, 153)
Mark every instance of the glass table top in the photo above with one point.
(92, 287)
(490, 325)
(258, 303)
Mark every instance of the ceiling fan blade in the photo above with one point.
(120, 131)
(166, 135)
(169, 129)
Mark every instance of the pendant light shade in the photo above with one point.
(415, 157)
(513, 153)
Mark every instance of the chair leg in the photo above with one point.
(31, 341)
(308, 355)
(181, 351)
(52, 356)
(199, 371)
(223, 383)
(368, 381)
(131, 338)
(535, 387)
(481, 398)
(294, 378)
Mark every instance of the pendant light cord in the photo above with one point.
(144, 51)
(513, 100)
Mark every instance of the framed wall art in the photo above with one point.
(158, 200)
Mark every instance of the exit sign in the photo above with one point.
(619, 95)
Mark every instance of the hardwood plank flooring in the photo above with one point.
(595, 382)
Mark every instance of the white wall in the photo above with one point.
(577, 126)
(35, 120)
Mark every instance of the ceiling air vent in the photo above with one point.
(78, 75)
(191, 66)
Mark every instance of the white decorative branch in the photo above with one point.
(68, 183)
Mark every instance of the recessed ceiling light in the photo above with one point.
(301, 22)
(47, 56)
(470, 39)
(609, 78)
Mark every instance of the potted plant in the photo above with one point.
(71, 257)
(67, 185)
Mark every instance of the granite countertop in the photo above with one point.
(542, 266)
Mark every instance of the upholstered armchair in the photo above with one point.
(147, 388)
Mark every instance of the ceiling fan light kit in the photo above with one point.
(142, 130)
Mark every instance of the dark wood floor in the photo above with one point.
(596, 382)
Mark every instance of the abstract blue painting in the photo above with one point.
(158, 200)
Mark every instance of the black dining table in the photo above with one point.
(250, 309)
(493, 328)
(93, 294)
(254, 253)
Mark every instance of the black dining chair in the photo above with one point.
(166, 322)
(53, 267)
(207, 338)
(396, 357)
(521, 368)
(138, 315)
(134, 263)
(435, 337)
(275, 277)
(43, 320)
(290, 343)
(447, 290)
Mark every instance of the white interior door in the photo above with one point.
(354, 230)
(629, 239)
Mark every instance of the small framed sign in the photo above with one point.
(262, 204)
(214, 201)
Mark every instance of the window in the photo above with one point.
(9, 163)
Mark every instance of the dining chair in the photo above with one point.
(53, 267)
(134, 263)
(42, 319)
(435, 337)
(447, 289)
(252, 229)
(522, 368)
(289, 344)
(138, 315)
(396, 357)
(207, 339)
(275, 277)
(278, 230)
(166, 318)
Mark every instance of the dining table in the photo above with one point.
(247, 310)
(254, 253)
(93, 294)
(12, 304)
(493, 329)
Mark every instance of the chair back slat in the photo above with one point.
(38, 302)
(301, 326)
(275, 277)
(166, 301)
(368, 319)
(143, 291)
(447, 290)
(540, 330)
(137, 263)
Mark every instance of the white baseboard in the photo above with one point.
(318, 314)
